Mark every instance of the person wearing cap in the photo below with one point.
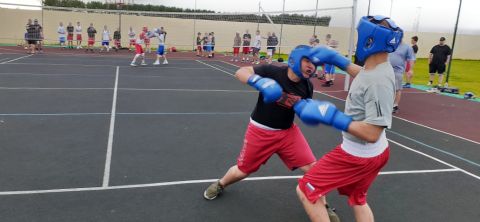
(353, 165)
(437, 61)
(271, 129)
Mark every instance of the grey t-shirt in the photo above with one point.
(398, 58)
(370, 98)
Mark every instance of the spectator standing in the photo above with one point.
(399, 58)
(237, 42)
(409, 69)
(437, 61)
(61, 34)
(70, 30)
(91, 32)
(247, 38)
(78, 32)
(199, 44)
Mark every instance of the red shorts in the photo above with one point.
(260, 144)
(116, 42)
(246, 50)
(199, 48)
(91, 41)
(79, 37)
(407, 66)
(146, 41)
(138, 49)
(132, 41)
(70, 37)
(236, 50)
(351, 175)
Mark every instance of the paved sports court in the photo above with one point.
(89, 138)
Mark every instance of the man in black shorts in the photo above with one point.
(439, 57)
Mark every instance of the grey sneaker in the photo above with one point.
(213, 191)
(332, 215)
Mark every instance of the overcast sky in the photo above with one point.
(427, 15)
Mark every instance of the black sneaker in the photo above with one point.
(395, 109)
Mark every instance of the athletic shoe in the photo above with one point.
(429, 83)
(395, 109)
(143, 64)
(156, 63)
(328, 83)
(165, 62)
(332, 215)
(407, 86)
(133, 64)
(213, 191)
(433, 90)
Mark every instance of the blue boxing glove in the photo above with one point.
(322, 55)
(270, 89)
(316, 112)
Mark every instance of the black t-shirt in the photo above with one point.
(440, 54)
(280, 114)
(415, 49)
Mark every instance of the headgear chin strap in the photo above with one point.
(374, 37)
(295, 59)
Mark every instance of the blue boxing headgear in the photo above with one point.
(295, 59)
(374, 37)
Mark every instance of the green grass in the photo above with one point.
(464, 74)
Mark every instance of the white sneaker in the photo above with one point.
(429, 83)
(165, 62)
(133, 64)
(156, 63)
(143, 64)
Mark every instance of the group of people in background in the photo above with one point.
(206, 44)
(67, 35)
(253, 46)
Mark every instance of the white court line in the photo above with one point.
(415, 123)
(106, 174)
(436, 159)
(221, 70)
(172, 183)
(4, 59)
(15, 59)
(229, 63)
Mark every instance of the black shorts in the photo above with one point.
(32, 42)
(434, 68)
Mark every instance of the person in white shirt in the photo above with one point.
(78, 32)
(131, 38)
(257, 45)
(62, 34)
(161, 46)
(105, 39)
